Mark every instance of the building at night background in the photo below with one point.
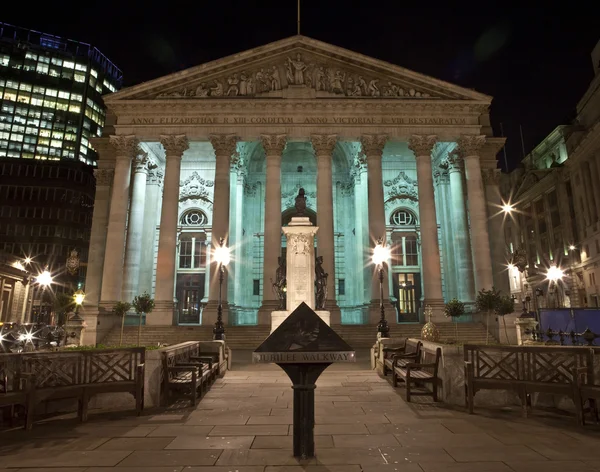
(222, 149)
(555, 214)
(50, 108)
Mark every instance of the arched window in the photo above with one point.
(193, 218)
(403, 217)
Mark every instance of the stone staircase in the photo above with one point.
(250, 337)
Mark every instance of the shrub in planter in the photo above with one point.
(121, 309)
(487, 300)
(505, 306)
(143, 304)
(454, 309)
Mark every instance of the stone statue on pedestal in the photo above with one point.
(320, 284)
(280, 284)
(300, 202)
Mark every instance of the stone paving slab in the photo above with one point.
(244, 424)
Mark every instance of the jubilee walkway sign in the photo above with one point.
(303, 346)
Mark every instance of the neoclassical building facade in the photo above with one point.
(221, 150)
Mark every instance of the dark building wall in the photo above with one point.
(46, 212)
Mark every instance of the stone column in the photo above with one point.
(372, 145)
(498, 250)
(593, 167)
(273, 145)
(324, 145)
(444, 202)
(151, 214)
(462, 241)
(175, 146)
(238, 293)
(469, 147)
(135, 226)
(422, 145)
(224, 146)
(93, 279)
(112, 275)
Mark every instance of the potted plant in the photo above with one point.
(505, 306)
(120, 309)
(487, 301)
(454, 309)
(143, 304)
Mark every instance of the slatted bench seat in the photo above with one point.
(411, 352)
(187, 371)
(422, 370)
(387, 352)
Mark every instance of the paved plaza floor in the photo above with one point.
(362, 425)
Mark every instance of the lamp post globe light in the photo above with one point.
(78, 298)
(555, 274)
(381, 255)
(222, 258)
(44, 280)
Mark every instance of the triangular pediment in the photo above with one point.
(297, 67)
(530, 179)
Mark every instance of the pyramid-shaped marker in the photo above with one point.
(303, 337)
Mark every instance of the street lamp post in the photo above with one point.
(222, 257)
(381, 254)
(78, 297)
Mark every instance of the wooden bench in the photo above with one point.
(525, 370)
(385, 353)
(587, 391)
(187, 372)
(423, 369)
(39, 377)
(410, 353)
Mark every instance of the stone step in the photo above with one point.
(249, 337)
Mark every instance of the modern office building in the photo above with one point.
(555, 211)
(50, 108)
(222, 149)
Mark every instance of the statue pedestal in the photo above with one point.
(300, 269)
(277, 318)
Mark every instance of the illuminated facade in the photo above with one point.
(556, 197)
(221, 150)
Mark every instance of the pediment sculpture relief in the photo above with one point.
(194, 187)
(297, 70)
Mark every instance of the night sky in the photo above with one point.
(535, 62)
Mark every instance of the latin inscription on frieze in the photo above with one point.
(298, 120)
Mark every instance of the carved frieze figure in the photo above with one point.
(243, 84)
(202, 91)
(336, 81)
(373, 88)
(217, 90)
(275, 79)
(300, 203)
(233, 83)
(362, 84)
(280, 284)
(320, 83)
(296, 70)
(320, 284)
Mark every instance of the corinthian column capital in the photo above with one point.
(125, 146)
(323, 144)
(175, 144)
(422, 144)
(142, 162)
(454, 161)
(104, 177)
(491, 176)
(373, 144)
(224, 144)
(470, 145)
(273, 144)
